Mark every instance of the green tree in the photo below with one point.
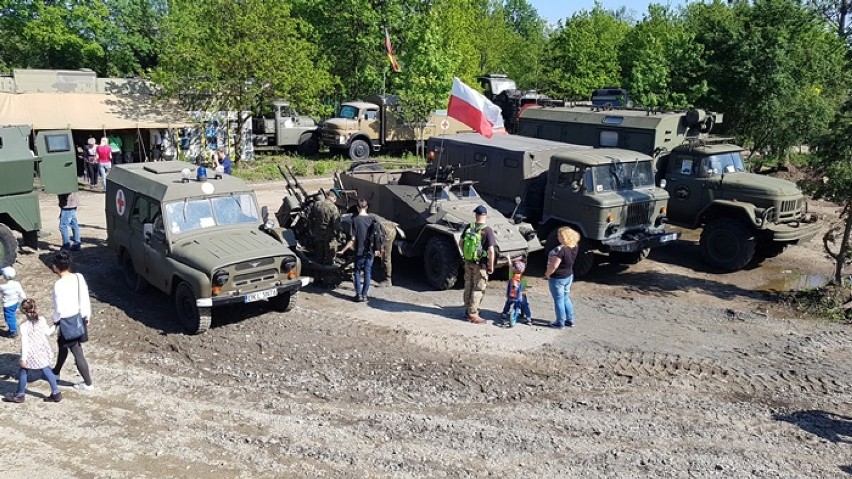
(774, 69)
(837, 12)
(833, 168)
(582, 55)
(662, 61)
(237, 56)
(131, 36)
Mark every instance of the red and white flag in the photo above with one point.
(474, 110)
(391, 56)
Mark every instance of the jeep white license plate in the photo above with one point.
(251, 297)
(668, 237)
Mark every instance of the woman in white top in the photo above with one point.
(36, 354)
(71, 297)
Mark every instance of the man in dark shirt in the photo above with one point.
(360, 239)
(68, 204)
(476, 271)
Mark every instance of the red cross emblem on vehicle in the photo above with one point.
(120, 202)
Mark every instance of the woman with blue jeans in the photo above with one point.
(560, 275)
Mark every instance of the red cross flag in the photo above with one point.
(474, 110)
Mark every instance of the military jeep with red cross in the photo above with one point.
(200, 239)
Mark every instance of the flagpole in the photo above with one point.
(384, 79)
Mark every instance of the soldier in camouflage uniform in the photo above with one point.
(324, 219)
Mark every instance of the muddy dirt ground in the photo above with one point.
(672, 370)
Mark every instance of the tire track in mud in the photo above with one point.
(706, 374)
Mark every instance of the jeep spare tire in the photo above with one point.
(8, 247)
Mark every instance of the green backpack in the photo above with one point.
(472, 243)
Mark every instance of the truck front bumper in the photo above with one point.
(633, 242)
(294, 285)
(798, 232)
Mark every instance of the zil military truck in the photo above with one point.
(375, 125)
(432, 212)
(201, 240)
(745, 217)
(285, 129)
(52, 163)
(607, 195)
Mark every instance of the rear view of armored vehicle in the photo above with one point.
(745, 217)
(202, 241)
(364, 127)
(432, 215)
(54, 168)
(607, 195)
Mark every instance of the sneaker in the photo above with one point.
(525, 320)
(84, 387)
(556, 325)
(362, 299)
(14, 398)
(53, 398)
(12, 335)
(357, 298)
(76, 247)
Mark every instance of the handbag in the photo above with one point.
(73, 327)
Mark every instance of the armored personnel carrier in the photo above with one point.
(432, 211)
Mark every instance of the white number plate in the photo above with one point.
(668, 237)
(251, 297)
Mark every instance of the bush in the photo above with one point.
(320, 167)
(300, 167)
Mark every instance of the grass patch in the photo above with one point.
(265, 167)
(829, 302)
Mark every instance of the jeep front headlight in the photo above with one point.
(342, 139)
(220, 277)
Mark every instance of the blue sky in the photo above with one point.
(555, 10)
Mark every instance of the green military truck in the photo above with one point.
(284, 129)
(607, 195)
(52, 163)
(364, 127)
(745, 217)
(203, 241)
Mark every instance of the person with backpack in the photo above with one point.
(367, 237)
(477, 244)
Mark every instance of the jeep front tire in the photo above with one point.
(194, 319)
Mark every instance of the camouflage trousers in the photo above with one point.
(325, 250)
(475, 282)
(387, 251)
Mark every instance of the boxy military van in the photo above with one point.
(201, 240)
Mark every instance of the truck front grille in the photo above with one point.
(789, 210)
(261, 276)
(254, 264)
(638, 214)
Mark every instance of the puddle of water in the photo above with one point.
(794, 281)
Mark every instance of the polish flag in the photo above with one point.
(474, 110)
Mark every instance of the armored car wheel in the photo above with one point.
(284, 302)
(131, 278)
(196, 320)
(728, 244)
(8, 247)
(441, 263)
(359, 150)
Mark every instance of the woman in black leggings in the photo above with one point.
(71, 298)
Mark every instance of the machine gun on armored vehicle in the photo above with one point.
(318, 231)
(607, 195)
(745, 217)
(50, 168)
(432, 211)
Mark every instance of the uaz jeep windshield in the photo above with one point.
(189, 215)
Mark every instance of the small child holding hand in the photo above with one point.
(36, 354)
(13, 294)
(516, 296)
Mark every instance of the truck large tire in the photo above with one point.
(585, 256)
(769, 249)
(194, 319)
(727, 243)
(308, 145)
(441, 262)
(629, 258)
(359, 150)
(8, 247)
